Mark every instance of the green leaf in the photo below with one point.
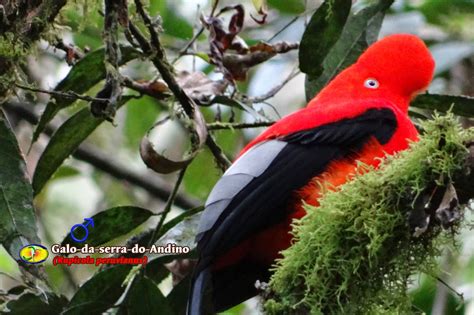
(289, 7)
(200, 177)
(322, 32)
(177, 26)
(65, 172)
(17, 290)
(183, 233)
(178, 296)
(459, 105)
(144, 239)
(424, 296)
(63, 143)
(157, 271)
(30, 303)
(360, 31)
(144, 297)
(110, 224)
(86, 23)
(155, 268)
(173, 222)
(442, 12)
(99, 293)
(170, 224)
(17, 216)
(236, 310)
(173, 24)
(86, 73)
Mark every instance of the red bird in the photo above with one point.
(361, 115)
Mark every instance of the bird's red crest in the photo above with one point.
(396, 68)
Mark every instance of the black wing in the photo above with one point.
(252, 193)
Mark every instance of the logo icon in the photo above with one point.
(33, 253)
(83, 231)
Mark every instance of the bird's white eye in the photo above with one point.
(371, 83)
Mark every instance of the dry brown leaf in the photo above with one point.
(159, 162)
(199, 87)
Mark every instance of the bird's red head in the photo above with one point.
(396, 67)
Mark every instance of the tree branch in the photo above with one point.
(72, 53)
(68, 94)
(276, 89)
(223, 125)
(158, 57)
(29, 19)
(149, 182)
(222, 161)
(26, 20)
(183, 51)
(169, 203)
(149, 88)
(161, 63)
(112, 88)
(152, 184)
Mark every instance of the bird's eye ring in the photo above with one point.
(371, 83)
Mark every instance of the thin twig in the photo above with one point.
(156, 186)
(158, 57)
(232, 126)
(276, 89)
(150, 182)
(168, 206)
(68, 94)
(197, 20)
(222, 161)
(160, 61)
(142, 41)
(145, 90)
(460, 295)
(149, 24)
(214, 7)
(293, 20)
(184, 50)
(112, 88)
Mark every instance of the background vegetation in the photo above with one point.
(83, 84)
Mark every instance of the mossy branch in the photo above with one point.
(22, 23)
(355, 253)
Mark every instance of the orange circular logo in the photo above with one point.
(33, 254)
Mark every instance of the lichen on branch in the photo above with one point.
(356, 252)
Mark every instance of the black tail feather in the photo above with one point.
(199, 302)
(236, 284)
(219, 290)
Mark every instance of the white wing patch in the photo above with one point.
(247, 167)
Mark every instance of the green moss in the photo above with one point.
(11, 50)
(11, 47)
(79, 14)
(355, 253)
